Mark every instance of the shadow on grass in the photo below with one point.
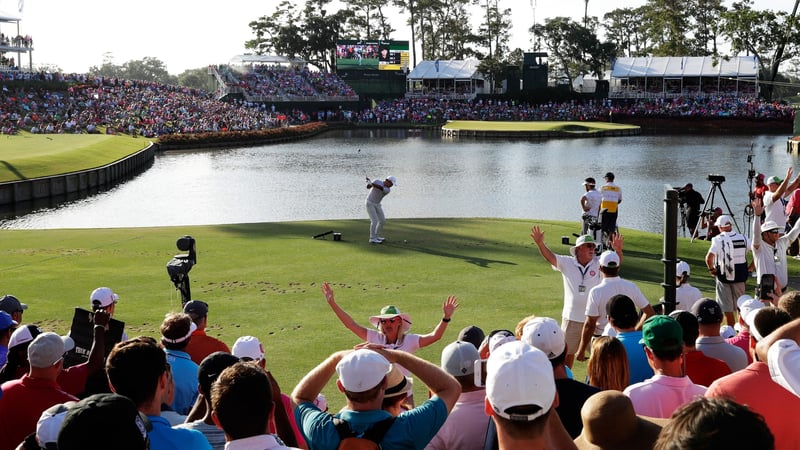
(480, 262)
(13, 170)
(435, 237)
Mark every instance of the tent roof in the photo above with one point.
(685, 66)
(264, 59)
(10, 16)
(466, 69)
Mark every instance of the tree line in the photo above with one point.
(441, 30)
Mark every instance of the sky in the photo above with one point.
(190, 34)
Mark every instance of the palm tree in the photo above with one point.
(585, 13)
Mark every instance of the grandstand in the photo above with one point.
(13, 43)
(278, 81)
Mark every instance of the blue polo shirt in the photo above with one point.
(411, 430)
(184, 371)
(164, 437)
(638, 366)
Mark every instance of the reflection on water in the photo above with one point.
(323, 178)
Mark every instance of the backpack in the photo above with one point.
(368, 440)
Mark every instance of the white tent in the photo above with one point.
(451, 79)
(10, 16)
(683, 75)
(247, 61)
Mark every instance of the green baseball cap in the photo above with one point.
(662, 333)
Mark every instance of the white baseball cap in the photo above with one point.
(609, 258)
(499, 337)
(49, 423)
(23, 334)
(545, 334)
(392, 179)
(103, 297)
(726, 331)
(248, 347)
(723, 220)
(742, 300)
(682, 267)
(519, 375)
(362, 370)
(749, 311)
(783, 358)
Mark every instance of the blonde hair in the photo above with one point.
(521, 325)
(401, 333)
(608, 365)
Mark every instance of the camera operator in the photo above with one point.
(760, 187)
(692, 199)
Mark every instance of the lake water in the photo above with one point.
(323, 178)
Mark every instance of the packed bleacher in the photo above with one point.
(433, 110)
(152, 109)
(279, 83)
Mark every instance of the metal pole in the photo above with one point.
(670, 251)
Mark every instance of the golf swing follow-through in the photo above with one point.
(377, 190)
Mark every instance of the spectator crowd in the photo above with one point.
(682, 380)
(89, 104)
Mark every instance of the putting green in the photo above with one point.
(24, 155)
(538, 126)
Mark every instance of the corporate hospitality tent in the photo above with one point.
(674, 76)
(249, 61)
(454, 79)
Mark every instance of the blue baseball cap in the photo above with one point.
(6, 321)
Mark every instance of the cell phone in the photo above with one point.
(766, 286)
(479, 367)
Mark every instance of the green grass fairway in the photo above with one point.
(265, 279)
(26, 155)
(541, 126)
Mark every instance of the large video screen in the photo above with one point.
(372, 55)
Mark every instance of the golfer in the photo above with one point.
(377, 190)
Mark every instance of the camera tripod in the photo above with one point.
(716, 186)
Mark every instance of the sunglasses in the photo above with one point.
(391, 320)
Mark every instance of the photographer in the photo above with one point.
(692, 201)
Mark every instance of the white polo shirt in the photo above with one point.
(602, 293)
(578, 281)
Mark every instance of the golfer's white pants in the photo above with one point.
(376, 219)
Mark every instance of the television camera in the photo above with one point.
(179, 266)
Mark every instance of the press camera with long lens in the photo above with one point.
(179, 266)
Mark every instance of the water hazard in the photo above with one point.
(323, 178)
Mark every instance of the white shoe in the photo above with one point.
(375, 241)
(380, 239)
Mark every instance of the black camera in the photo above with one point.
(179, 266)
(715, 178)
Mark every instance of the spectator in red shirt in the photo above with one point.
(201, 345)
(26, 398)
